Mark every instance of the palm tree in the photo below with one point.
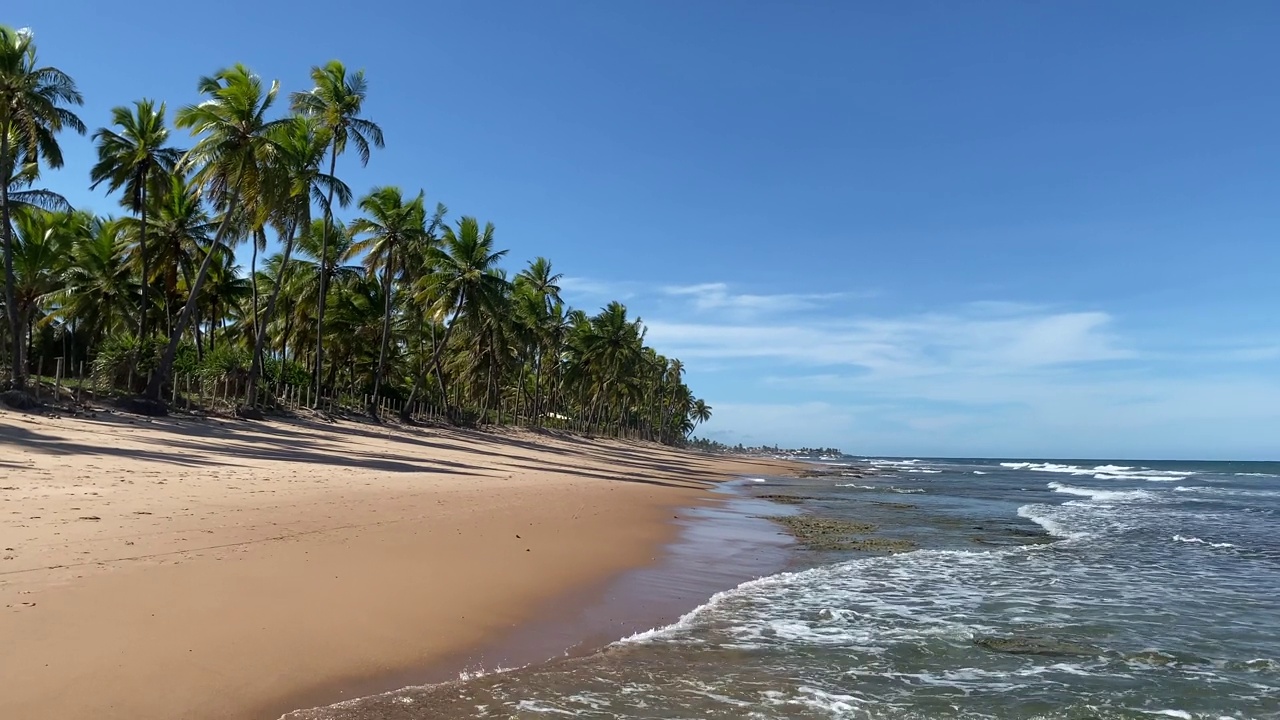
(610, 349)
(336, 102)
(42, 245)
(300, 148)
(33, 110)
(391, 225)
(699, 413)
(229, 162)
(542, 287)
(18, 176)
(97, 286)
(179, 228)
(136, 159)
(466, 282)
(539, 279)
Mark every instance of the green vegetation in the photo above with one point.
(708, 445)
(397, 306)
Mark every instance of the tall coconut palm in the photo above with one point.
(137, 159)
(611, 348)
(542, 286)
(391, 225)
(540, 279)
(98, 288)
(19, 174)
(699, 413)
(336, 102)
(300, 148)
(312, 267)
(229, 161)
(466, 282)
(179, 228)
(34, 104)
(42, 247)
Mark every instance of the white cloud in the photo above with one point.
(983, 378)
(577, 290)
(967, 339)
(717, 297)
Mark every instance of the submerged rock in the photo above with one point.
(785, 499)
(817, 533)
(894, 505)
(1033, 645)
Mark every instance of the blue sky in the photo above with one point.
(1016, 229)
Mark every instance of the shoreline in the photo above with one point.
(219, 569)
(581, 623)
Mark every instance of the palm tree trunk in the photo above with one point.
(260, 326)
(259, 236)
(146, 275)
(406, 413)
(324, 272)
(146, 265)
(439, 352)
(188, 311)
(10, 281)
(386, 329)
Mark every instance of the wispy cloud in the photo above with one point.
(970, 338)
(584, 291)
(717, 296)
(989, 377)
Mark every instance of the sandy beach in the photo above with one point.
(177, 568)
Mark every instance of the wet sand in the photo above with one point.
(208, 569)
(721, 542)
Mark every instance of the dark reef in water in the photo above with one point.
(1033, 645)
(787, 499)
(818, 533)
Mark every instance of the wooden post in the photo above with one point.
(80, 387)
(57, 381)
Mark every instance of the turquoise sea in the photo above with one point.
(1068, 589)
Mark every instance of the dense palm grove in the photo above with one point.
(399, 305)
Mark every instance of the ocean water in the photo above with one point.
(1052, 590)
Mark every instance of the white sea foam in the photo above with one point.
(1256, 475)
(1103, 472)
(1147, 474)
(1042, 516)
(894, 463)
(925, 472)
(1182, 714)
(1197, 541)
(884, 488)
(866, 603)
(1210, 490)
(1101, 495)
(688, 619)
(978, 472)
